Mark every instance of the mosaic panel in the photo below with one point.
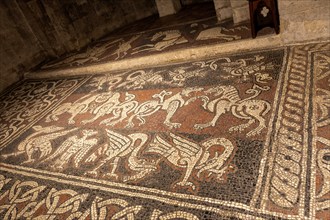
(242, 136)
(24, 105)
(118, 47)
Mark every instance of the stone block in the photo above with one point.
(223, 9)
(238, 3)
(241, 14)
(168, 7)
(304, 20)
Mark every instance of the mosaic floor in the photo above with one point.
(242, 136)
(122, 45)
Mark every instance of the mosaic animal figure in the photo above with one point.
(216, 33)
(173, 103)
(114, 106)
(104, 108)
(169, 38)
(124, 47)
(73, 147)
(183, 153)
(120, 112)
(91, 55)
(138, 79)
(39, 141)
(147, 108)
(82, 105)
(242, 69)
(180, 76)
(117, 147)
(170, 105)
(109, 80)
(78, 59)
(227, 99)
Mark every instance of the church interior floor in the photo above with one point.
(241, 136)
(193, 27)
(237, 136)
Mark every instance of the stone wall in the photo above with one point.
(223, 9)
(304, 20)
(168, 7)
(190, 2)
(32, 30)
(238, 10)
(19, 46)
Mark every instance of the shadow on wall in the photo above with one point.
(190, 2)
(32, 30)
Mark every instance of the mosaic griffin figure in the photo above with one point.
(192, 156)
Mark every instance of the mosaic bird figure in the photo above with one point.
(186, 154)
(74, 148)
(117, 147)
(40, 141)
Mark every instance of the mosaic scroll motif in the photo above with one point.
(256, 69)
(28, 199)
(292, 147)
(23, 106)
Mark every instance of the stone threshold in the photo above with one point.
(174, 56)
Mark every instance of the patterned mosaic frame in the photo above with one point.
(293, 170)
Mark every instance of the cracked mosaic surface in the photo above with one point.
(244, 136)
